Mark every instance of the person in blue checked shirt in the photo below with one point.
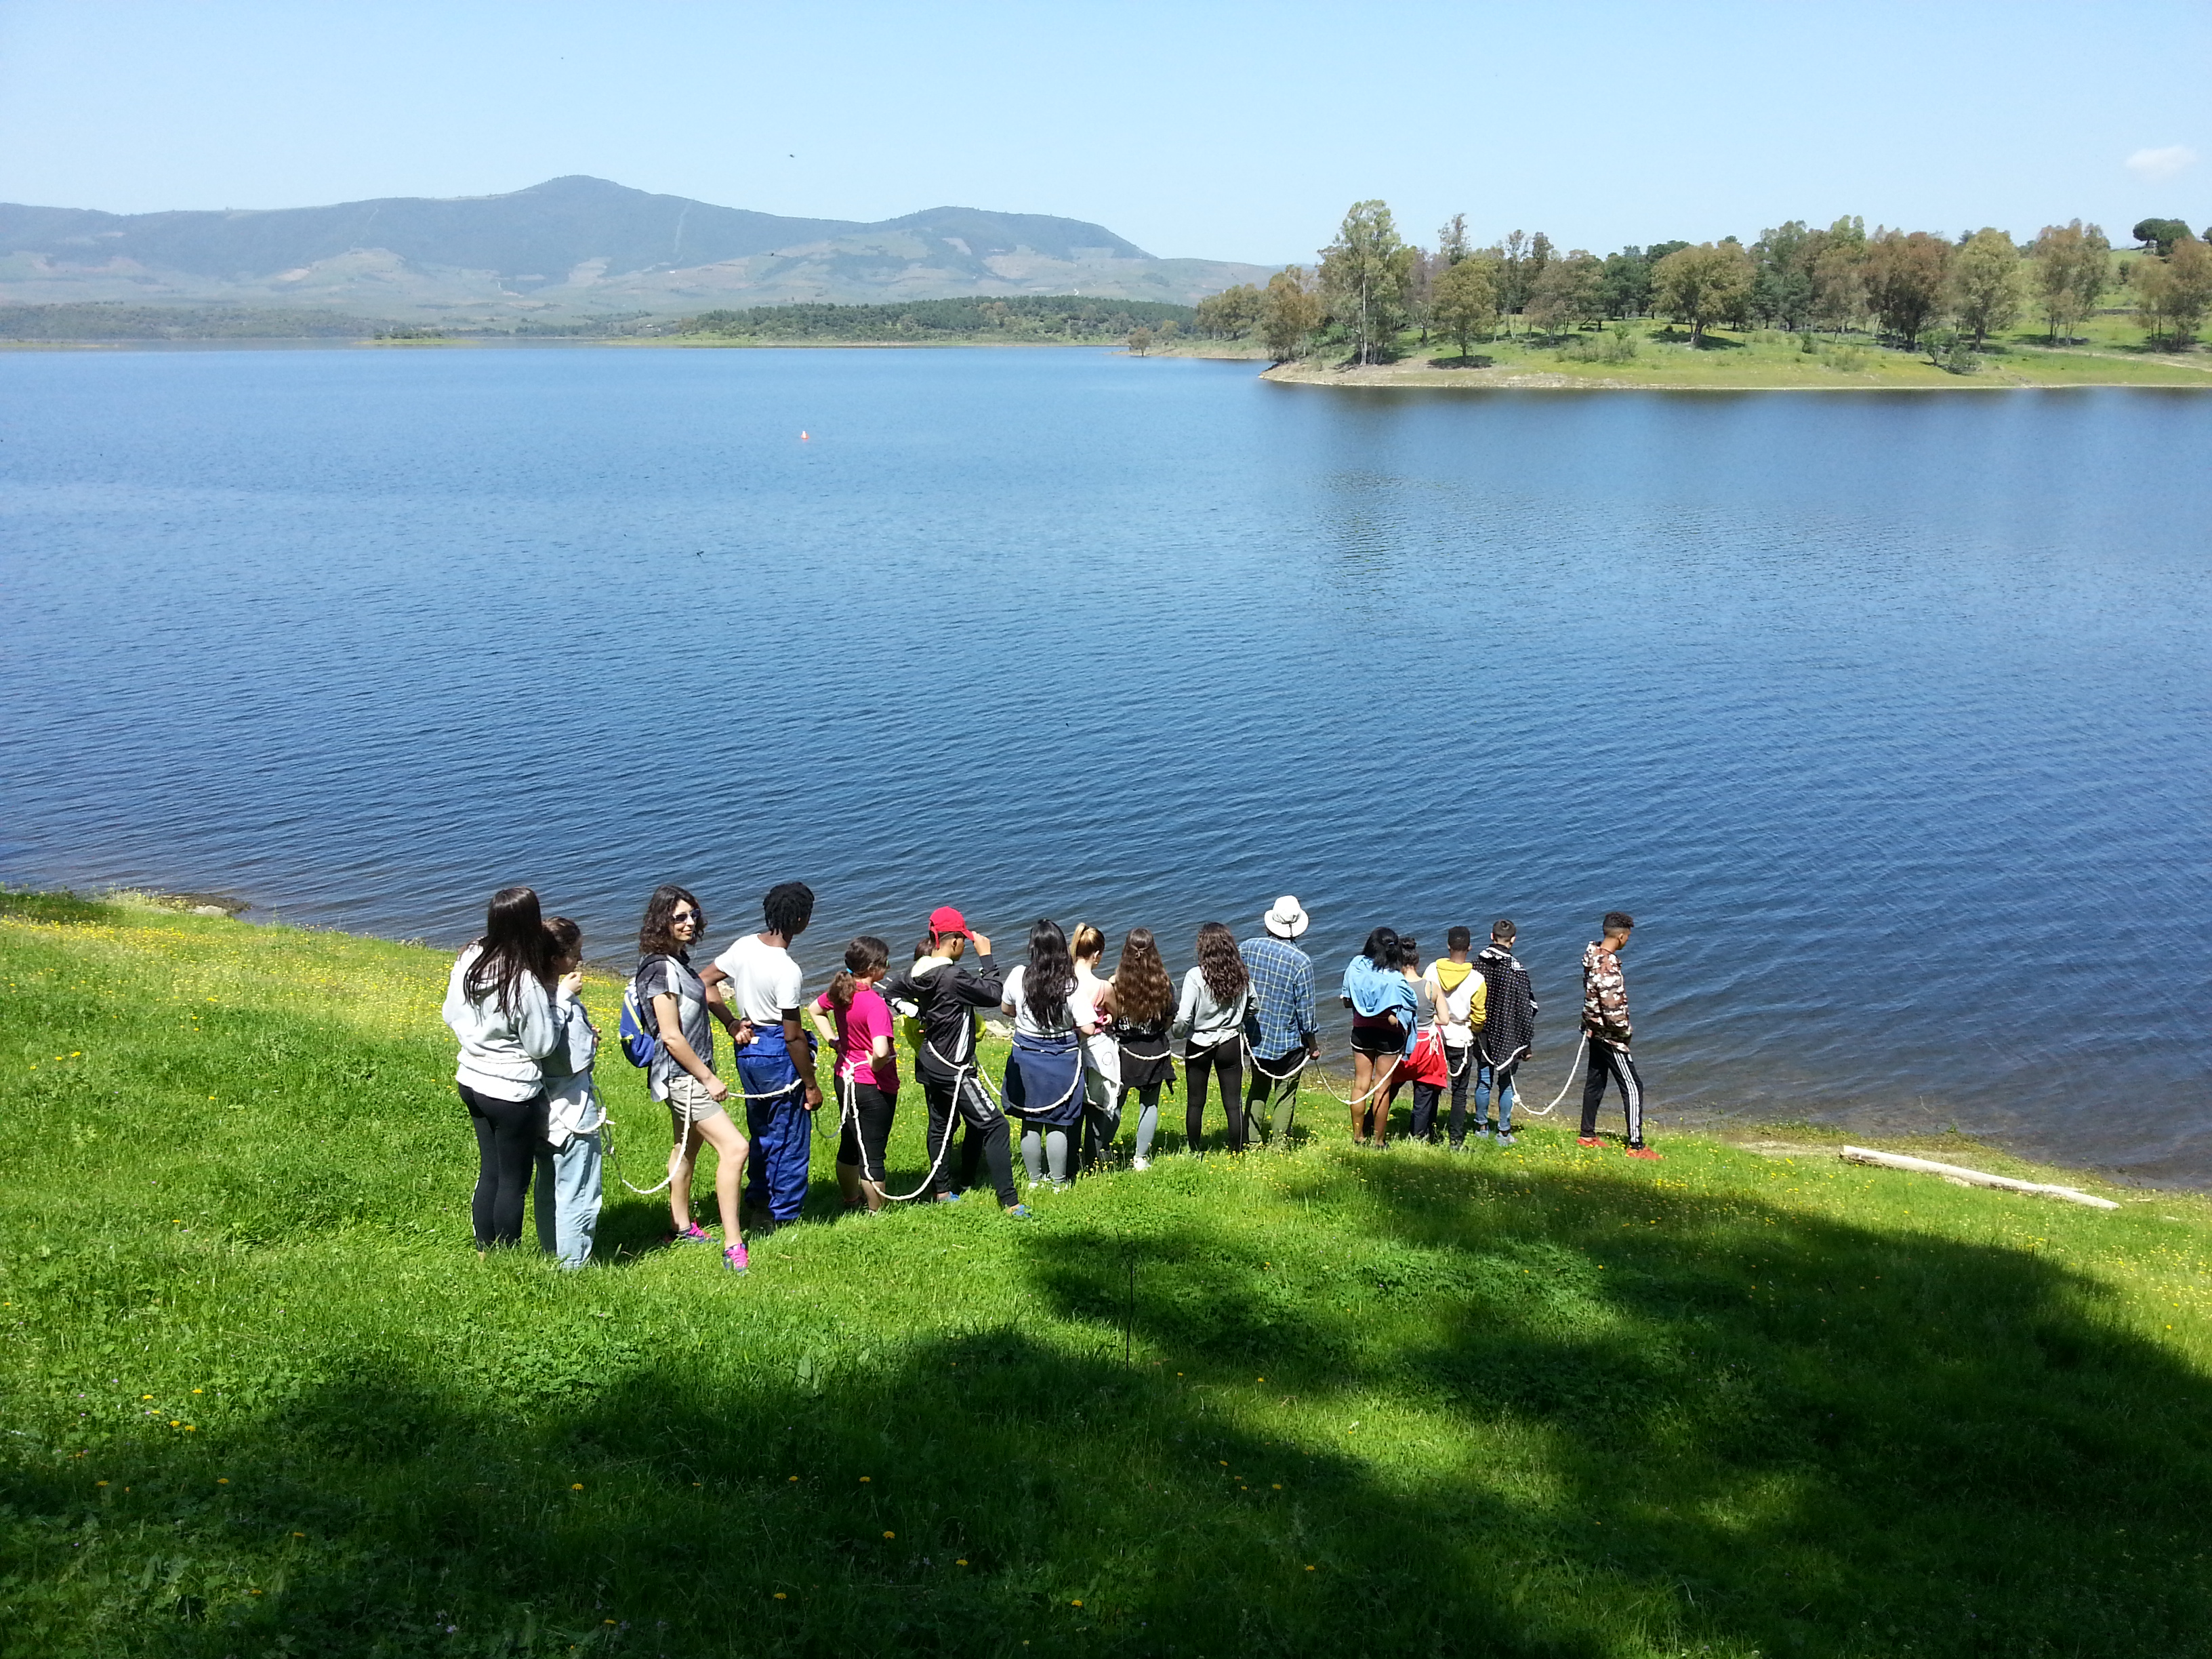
(1280, 1024)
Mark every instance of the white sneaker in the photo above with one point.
(1140, 1164)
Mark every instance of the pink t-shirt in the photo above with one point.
(858, 1028)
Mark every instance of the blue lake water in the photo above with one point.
(1885, 714)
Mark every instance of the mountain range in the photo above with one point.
(571, 247)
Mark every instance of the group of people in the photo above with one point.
(1084, 1045)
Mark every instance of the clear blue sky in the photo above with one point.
(1226, 131)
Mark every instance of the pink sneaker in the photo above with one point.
(735, 1259)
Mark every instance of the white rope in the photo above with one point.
(1546, 1111)
(962, 1072)
(607, 1144)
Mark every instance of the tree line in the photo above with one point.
(1014, 316)
(1370, 285)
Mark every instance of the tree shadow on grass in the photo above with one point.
(1558, 1410)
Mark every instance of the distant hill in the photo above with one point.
(570, 247)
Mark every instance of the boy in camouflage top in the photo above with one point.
(1605, 1025)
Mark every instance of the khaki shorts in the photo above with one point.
(688, 1102)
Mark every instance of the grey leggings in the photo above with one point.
(1148, 1115)
(1046, 1148)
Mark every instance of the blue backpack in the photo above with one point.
(640, 1043)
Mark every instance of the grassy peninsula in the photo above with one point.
(261, 1397)
(1658, 356)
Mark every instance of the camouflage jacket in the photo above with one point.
(1605, 997)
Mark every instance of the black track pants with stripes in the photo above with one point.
(1607, 1061)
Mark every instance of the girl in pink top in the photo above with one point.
(867, 1069)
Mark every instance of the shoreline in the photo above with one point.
(1893, 371)
(1900, 374)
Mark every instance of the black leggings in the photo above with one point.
(507, 1133)
(1226, 1062)
(872, 1109)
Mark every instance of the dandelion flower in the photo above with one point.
(891, 1535)
(962, 1562)
(864, 1479)
(1075, 1604)
(222, 1480)
(575, 1485)
(780, 1595)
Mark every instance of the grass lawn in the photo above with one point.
(262, 1398)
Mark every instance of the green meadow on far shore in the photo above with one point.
(262, 1397)
(2106, 350)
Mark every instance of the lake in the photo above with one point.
(1885, 714)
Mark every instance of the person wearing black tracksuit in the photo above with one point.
(947, 996)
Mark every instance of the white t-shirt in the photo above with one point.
(763, 979)
(1025, 1023)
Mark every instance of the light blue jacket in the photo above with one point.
(1375, 991)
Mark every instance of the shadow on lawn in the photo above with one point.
(1663, 1422)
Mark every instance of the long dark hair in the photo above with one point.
(1051, 977)
(865, 955)
(1219, 964)
(514, 943)
(656, 934)
(1142, 990)
(1382, 948)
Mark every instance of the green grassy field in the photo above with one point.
(2111, 353)
(262, 1398)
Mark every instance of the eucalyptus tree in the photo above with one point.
(1452, 245)
(1905, 273)
(1987, 283)
(1782, 291)
(2174, 294)
(1365, 274)
(1465, 299)
(2073, 263)
(1290, 312)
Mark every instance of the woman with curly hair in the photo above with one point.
(1210, 1023)
(1043, 1084)
(1142, 1000)
(675, 1008)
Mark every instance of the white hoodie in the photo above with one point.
(499, 1052)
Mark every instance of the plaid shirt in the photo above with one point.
(1282, 995)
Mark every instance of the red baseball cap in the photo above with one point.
(945, 921)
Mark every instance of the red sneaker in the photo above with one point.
(1588, 1140)
(1644, 1152)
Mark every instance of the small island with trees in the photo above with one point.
(1800, 307)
